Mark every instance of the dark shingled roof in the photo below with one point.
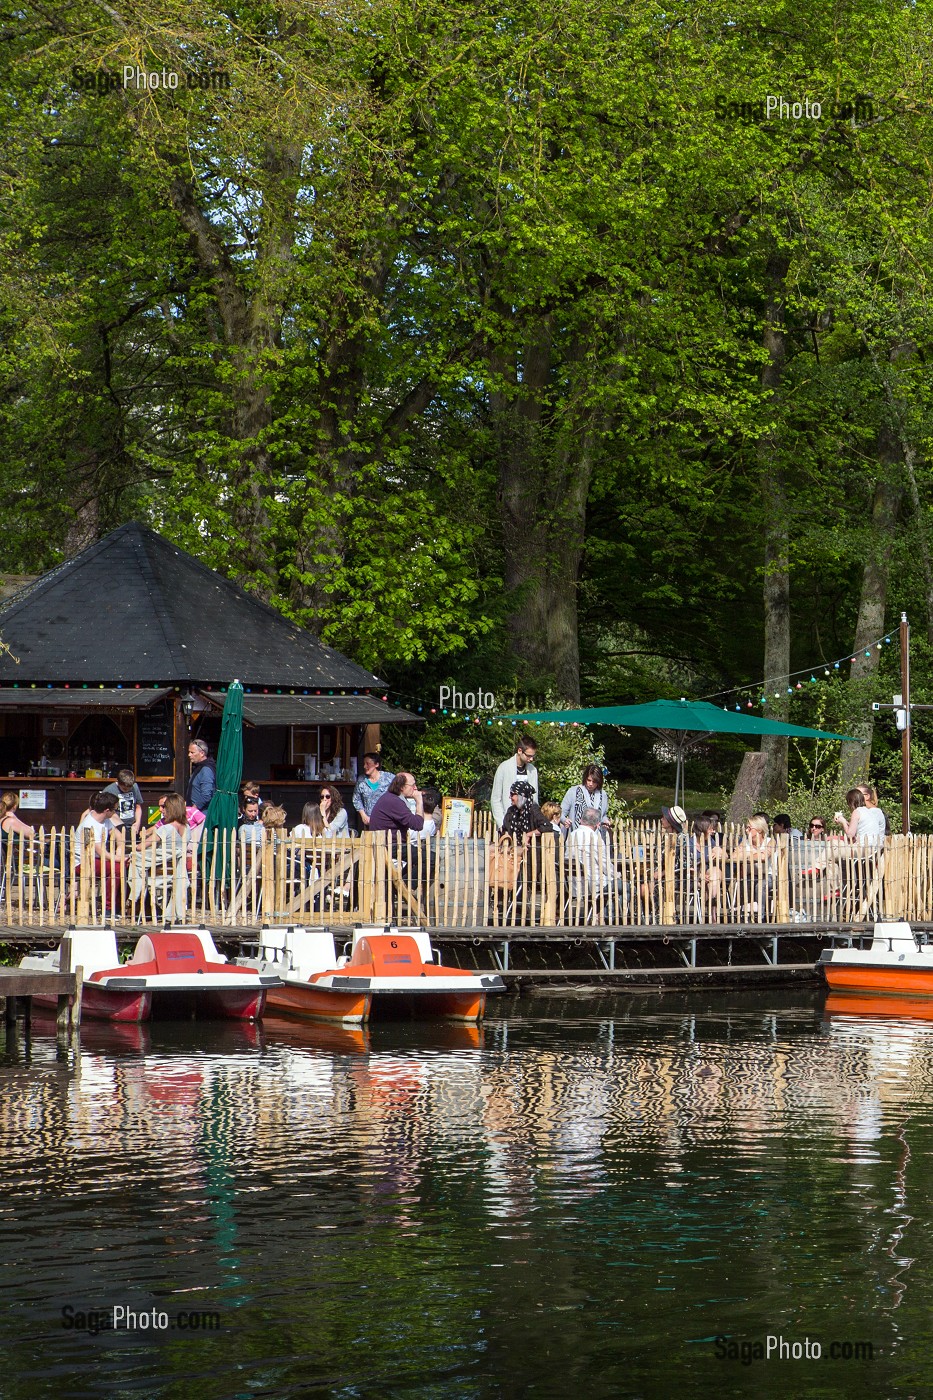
(136, 608)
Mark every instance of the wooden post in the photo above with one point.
(75, 1027)
(667, 889)
(381, 855)
(781, 910)
(85, 878)
(366, 878)
(549, 854)
(63, 1015)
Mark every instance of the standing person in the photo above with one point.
(371, 787)
(588, 795)
(520, 768)
(129, 802)
(203, 779)
(333, 813)
(874, 824)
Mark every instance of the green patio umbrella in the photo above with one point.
(223, 808)
(681, 723)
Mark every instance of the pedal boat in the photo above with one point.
(388, 973)
(897, 963)
(177, 973)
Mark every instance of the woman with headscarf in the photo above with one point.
(524, 819)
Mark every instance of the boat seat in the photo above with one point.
(174, 952)
(387, 954)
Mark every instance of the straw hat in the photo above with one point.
(676, 816)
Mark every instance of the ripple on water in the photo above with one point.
(584, 1187)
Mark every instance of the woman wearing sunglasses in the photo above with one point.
(333, 812)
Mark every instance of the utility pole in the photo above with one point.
(905, 732)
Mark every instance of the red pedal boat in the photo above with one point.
(176, 973)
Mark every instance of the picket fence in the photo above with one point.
(638, 877)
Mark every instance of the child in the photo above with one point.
(129, 815)
(249, 793)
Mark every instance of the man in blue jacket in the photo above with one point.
(203, 779)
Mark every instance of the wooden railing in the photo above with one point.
(637, 877)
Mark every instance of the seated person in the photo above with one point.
(333, 813)
(433, 812)
(552, 811)
(100, 831)
(10, 823)
(782, 827)
(673, 823)
(194, 820)
(751, 864)
(391, 811)
(97, 824)
(160, 865)
(273, 821)
(249, 792)
(524, 819)
(251, 827)
(709, 866)
(588, 856)
(312, 822)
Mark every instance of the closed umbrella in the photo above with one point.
(223, 808)
(682, 724)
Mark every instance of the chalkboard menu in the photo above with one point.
(155, 747)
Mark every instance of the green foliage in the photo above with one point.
(461, 756)
(437, 326)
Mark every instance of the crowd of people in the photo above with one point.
(578, 826)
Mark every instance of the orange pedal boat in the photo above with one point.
(896, 964)
(389, 972)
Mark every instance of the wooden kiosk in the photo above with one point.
(122, 655)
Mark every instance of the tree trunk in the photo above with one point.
(869, 624)
(777, 561)
(545, 471)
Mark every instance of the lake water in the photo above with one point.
(577, 1200)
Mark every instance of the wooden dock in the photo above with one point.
(17, 989)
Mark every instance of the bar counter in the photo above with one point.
(64, 799)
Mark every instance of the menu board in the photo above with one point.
(155, 746)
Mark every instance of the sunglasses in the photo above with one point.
(817, 826)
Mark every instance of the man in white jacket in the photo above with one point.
(521, 766)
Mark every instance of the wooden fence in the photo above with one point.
(636, 877)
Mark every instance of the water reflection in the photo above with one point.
(412, 1207)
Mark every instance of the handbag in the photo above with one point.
(505, 861)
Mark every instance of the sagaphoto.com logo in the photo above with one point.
(778, 108)
(132, 78)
